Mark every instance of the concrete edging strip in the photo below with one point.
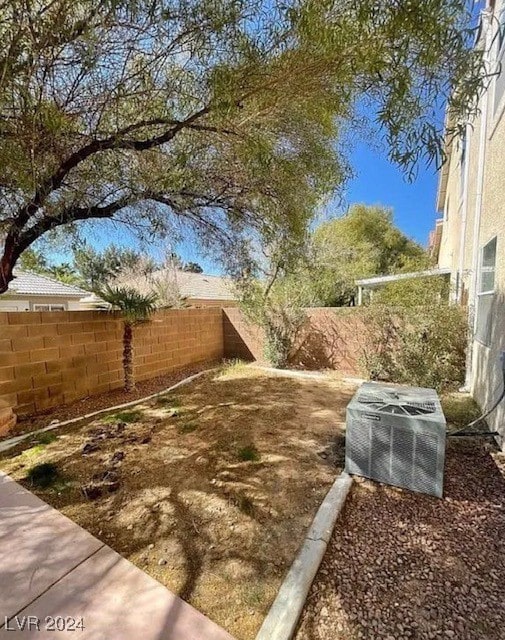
(313, 375)
(282, 619)
(5, 445)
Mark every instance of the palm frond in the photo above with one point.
(135, 306)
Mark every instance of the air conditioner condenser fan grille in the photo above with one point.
(396, 435)
(389, 399)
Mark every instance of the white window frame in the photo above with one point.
(41, 306)
(485, 296)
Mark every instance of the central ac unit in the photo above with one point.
(396, 435)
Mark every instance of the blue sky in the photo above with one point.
(375, 181)
(378, 181)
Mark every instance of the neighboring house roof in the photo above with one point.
(204, 287)
(195, 286)
(27, 283)
(378, 281)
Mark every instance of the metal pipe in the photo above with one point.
(464, 208)
(472, 315)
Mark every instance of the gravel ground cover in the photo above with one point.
(403, 565)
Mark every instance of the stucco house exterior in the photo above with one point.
(33, 292)
(469, 238)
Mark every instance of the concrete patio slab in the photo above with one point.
(53, 572)
(117, 601)
(38, 546)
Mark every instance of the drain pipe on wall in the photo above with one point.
(464, 216)
(472, 316)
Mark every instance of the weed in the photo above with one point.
(123, 416)
(34, 451)
(46, 438)
(254, 596)
(246, 505)
(187, 427)
(249, 453)
(233, 366)
(459, 409)
(43, 475)
(167, 401)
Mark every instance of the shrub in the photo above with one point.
(43, 475)
(46, 438)
(280, 312)
(417, 345)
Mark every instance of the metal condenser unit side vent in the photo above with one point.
(396, 435)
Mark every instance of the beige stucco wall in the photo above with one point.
(15, 303)
(486, 380)
(449, 244)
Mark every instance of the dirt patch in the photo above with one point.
(402, 565)
(104, 400)
(210, 490)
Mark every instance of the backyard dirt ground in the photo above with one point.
(104, 400)
(402, 565)
(209, 489)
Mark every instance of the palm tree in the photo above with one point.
(135, 307)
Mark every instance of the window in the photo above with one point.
(49, 307)
(485, 292)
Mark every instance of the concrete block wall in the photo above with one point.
(52, 358)
(332, 338)
(177, 338)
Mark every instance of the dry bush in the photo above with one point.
(420, 344)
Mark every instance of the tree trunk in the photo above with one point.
(129, 381)
(7, 262)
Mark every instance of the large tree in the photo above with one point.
(97, 269)
(220, 114)
(364, 242)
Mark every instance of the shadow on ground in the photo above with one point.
(217, 484)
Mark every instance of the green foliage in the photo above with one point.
(192, 267)
(225, 116)
(417, 345)
(124, 416)
(35, 261)
(46, 438)
(279, 310)
(43, 475)
(97, 269)
(135, 307)
(364, 242)
(414, 292)
(249, 453)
